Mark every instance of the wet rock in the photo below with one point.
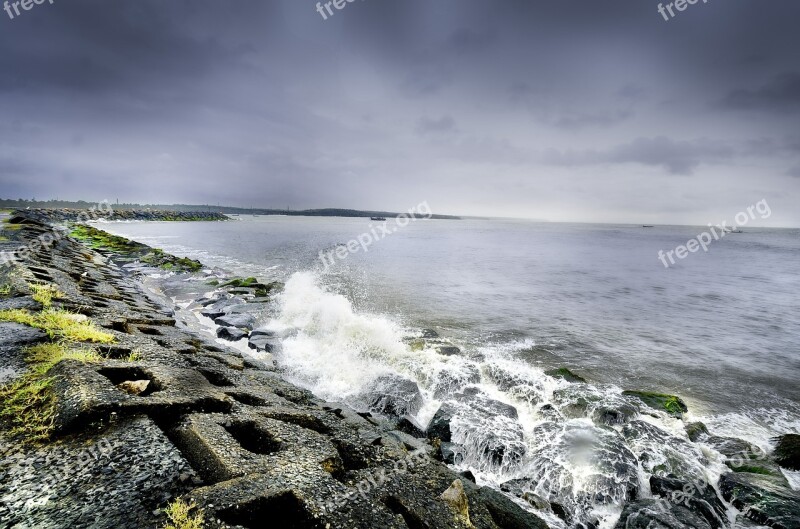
(565, 374)
(659, 401)
(696, 431)
(450, 380)
(242, 321)
(393, 395)
(450, 454)
(232, 334)
(221, 307)
(700, 498)
(604, 407)
(263, 341)
(659, 514)
(549, 412)
(763, 499)
(476, 399)
(448, 350)
(662, 453)
(506, 513)
(467, 475)
(409, 425)
(732, 448)
(429, 333)
(612, 470)
(787, 451)
(614, 415)
(439, 427)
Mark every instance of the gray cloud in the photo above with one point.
(779, 94)
(677, 157)
(480, 107)
(442, 124)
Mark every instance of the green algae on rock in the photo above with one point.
(660, 401)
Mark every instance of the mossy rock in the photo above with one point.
(660, 401)
(755, 469)
(566, 374)
(787, 451)
(696, 430)
(241, 282)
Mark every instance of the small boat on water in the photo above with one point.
(735, 230)
(647, 226)
(378, 218)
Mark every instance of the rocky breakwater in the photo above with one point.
(49, 216)
(115, 416)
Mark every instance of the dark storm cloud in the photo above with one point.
(480, 107)
(780, 94)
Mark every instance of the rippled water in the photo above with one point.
(721, 329)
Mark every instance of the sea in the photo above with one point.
(719, 328)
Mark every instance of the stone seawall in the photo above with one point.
(106, 211)
(151, 412)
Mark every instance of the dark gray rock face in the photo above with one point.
(479, 401)
(447, 382)
(787, 451)
(659, 514)
(264, 341)
(393, 395)
(242, 321)
(114, 482)
(13, 338)
(699, 498)
(448, 350)
(762, 499)
(439, 427)
(232, 334)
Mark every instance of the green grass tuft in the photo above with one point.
(45, 294)
(59, 324)
(179, 516)
(28, 404)
(44, 356)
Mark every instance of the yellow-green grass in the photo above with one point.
(28, 404)
(59, 324)
(45, 294)
(44, 356)
(179, 515)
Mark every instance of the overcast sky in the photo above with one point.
(568, 110)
